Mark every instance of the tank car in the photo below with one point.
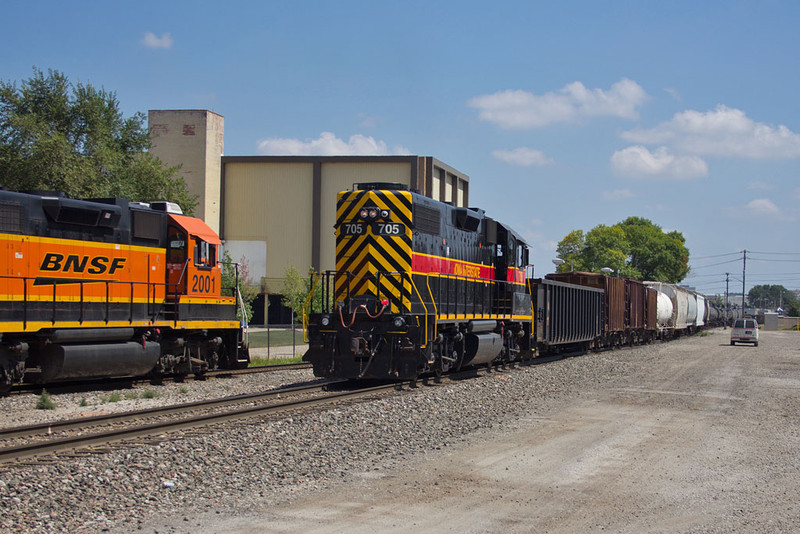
(419, 286)
(680, 315)
(109, 288)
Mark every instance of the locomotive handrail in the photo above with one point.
(435, 308)
(308, 303)
(151, 289)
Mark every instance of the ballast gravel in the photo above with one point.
(250, 466)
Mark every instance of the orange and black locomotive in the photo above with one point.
(107, 288)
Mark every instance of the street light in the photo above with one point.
(561, 261)
(557, 262)
(607, 270)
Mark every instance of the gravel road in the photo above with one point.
(688, 436)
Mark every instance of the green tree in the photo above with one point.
(607, 246)
(635, 248)
(570, 249)
(297, 288)
(771, 296)
(247, 288)
(654, 254)
(60, 136)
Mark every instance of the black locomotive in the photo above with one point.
(422, 286)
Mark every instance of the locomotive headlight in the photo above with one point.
(384, 214)
(399, 322)
(363, 214)
(373, 214)
(326, 320)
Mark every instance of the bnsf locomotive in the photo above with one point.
(422, 286)
(108, 288)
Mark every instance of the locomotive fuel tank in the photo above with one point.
(67, 362)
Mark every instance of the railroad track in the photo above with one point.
(119, 383)
(81, 439)
(43, 439)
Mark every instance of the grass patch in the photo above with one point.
(184, 389)
(115, 396)
(255, 362)
(45, 402)
(150, 394)
(131, 395)
(277, 338)
(83, 402)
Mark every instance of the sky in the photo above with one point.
(564, 114)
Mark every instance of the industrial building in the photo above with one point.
(275, 212)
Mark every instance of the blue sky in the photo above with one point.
(565, 115)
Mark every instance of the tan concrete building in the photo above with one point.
(193, 139)
(279, 211)
(275, 212)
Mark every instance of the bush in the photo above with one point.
(45, 402)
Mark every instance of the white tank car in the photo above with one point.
(691, 309)
(702, 310)
(679, 298)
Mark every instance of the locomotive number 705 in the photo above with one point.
(388, 228)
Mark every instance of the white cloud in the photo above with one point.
(367, 121)
(674, 94)
(639, 162)
(760, 186)
(763, 206)
(328, 145)
(617, 194)
(722, 132)
(760, 209)
(152, 41)
(521, 109)
(523, 157)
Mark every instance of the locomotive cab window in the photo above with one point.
(205, 254)
(177, 246)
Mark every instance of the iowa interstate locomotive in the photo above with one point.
(109, 288)
(421, 286)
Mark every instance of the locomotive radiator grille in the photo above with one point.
(377, 252)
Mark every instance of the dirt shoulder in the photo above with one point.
(696, 436)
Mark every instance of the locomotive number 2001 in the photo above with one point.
(203, 284)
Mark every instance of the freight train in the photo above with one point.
(421, 286)
(110, 288)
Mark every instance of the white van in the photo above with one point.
(744, 331)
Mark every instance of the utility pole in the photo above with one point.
(727, 306)
(744, 273)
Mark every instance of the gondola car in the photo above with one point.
(110, 288)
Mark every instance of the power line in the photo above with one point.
(715, 264)
(716, 256)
